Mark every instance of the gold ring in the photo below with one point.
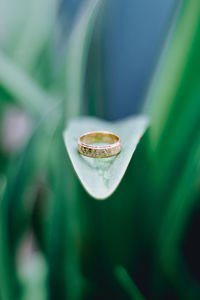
(86, 144)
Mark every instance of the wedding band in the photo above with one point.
(86, 144)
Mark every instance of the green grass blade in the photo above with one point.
(180, 110)
(64, 239)
(22, 88)
(177, 214)
(173, 67)
(128, 284)
(174, 136)
(76, 57)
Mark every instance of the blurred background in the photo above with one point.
(128, 37)
(61, 59)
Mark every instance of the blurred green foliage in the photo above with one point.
(56, 242)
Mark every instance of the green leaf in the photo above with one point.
(174, 135)
(64, 230)
(128, 284)
(101, 176)
(174, 68)
(21, 87)
(176, 218)
(76, 57)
